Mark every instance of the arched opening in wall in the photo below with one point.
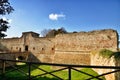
(26, 48)
(20, 58)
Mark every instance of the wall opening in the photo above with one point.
(26, 48)
(33, 48)
(19, 49)
(52, 48)
(21, 58)
(16, 47)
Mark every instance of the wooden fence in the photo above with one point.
(66, 67)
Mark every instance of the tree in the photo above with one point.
(51, 33)
(61, 30)
(44, 32)
(5, 8)
(54, 32)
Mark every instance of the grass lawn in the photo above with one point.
(16, 75)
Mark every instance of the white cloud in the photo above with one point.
(53, 16)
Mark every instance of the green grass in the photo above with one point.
(15, 75)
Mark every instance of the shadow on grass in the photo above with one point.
(45, 78)
(12, 74)
(25, 78)
(35, 70)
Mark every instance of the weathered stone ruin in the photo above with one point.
(77, 46)
(71, 48)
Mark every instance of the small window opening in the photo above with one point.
(52, 48)
(33, 48)
(42, 48)
(19, 49)
(16, 47)
(26, 48)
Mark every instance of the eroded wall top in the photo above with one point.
(87, 41)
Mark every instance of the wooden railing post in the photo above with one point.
(29, 70)
(3, 67)
(69, 73)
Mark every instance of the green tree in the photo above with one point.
(54, 32)
(5, 8)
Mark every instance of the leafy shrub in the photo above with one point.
(106, 53)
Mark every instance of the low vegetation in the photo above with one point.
(16, 75)
(106, 53)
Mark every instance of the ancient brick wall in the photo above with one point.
(80, 44)
(87, 41)
(11, 44)
(9, 57)
(42, 49)
(12, 56)
(71, 48)
(98, 60)
(75, 46)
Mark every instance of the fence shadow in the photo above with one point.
(27, 70)
(20, 75)
(25, 78)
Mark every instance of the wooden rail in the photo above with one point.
(67, 67)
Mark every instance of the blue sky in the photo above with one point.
(73, 15)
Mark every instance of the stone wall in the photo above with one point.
(11, 44)
(42, 49)
(71, 48)
(75, 48)
(12, 56)
(7, 56)
(87, 41)
(98, 60)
